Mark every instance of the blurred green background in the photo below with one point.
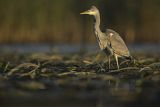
(59, 21)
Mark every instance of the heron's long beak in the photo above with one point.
(85, 12)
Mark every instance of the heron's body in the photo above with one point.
(110, 41)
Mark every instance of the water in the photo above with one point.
(131, 88)
(66, 48)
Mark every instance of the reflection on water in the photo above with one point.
(95, 94)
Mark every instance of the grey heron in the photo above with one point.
(110, 41)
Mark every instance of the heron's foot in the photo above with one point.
(101, 70)
(101, 67)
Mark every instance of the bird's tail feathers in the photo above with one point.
(129, 58)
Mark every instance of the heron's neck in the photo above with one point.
(99, 34)
(97, 22)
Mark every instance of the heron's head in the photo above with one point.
(92, 11)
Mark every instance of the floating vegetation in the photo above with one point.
(84, 79)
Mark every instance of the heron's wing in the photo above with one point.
(118, 45)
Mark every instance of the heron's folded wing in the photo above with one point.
(118, 45)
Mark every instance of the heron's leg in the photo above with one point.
(116, 57)
(109, 62)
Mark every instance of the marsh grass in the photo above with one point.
(78, 77)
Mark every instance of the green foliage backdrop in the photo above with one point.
(59, 21)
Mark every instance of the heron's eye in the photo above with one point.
(111, 34)
(91, 11)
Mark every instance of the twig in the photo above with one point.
(122, 69)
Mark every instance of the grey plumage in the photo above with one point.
(110, 41)
(117, 43)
